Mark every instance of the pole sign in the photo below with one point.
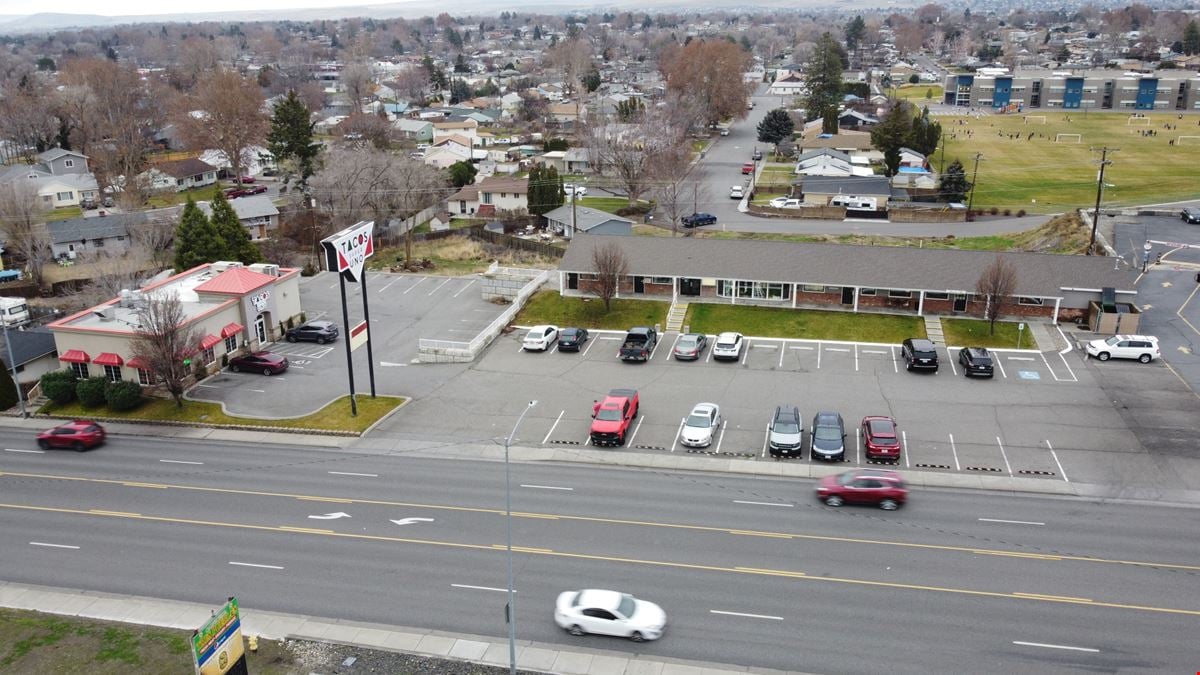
(346, 251)
(359, 335)
(217, 646)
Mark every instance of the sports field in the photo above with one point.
(1041, 175)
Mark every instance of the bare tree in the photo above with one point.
(412, 84)
(359, 83)
(610, 265)
(26, 117)
(669, 171)
(163, 340)
(711, 70)
(624, 151)
(156, 237)
(225, 111)
(24, 226)
(374, 129)
(996, 284)
(572, 58)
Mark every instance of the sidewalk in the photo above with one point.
(531, 656)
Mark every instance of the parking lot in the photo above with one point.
(403, 308)
(1043, 415)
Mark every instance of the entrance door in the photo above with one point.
(848, 295)
(639, 284)
(572, 281)
(689, 287)
(960, 302)
(260, 329)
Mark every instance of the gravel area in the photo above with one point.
(324, 658)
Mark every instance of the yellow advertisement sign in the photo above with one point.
(217, 645)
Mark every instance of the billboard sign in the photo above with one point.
(217, 645)
(348, 250)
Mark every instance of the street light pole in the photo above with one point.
(511, 613)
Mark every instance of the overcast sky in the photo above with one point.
(134, 7)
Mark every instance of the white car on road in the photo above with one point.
(609, 613)
(540, 338)
(737, 192)
(728, 346)
(701, 425)
(785, 203)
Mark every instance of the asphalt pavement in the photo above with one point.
(742, 564)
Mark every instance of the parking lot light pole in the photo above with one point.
(511, 613)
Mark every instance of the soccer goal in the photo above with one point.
(1192, 140)
(1035, 119)
(1138, 120)
(1068, 138)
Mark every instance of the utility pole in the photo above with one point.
(974, 177)
(1104, 161)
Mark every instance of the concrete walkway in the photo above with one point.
(538, 657)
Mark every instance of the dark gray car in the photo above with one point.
(828, 437)
(319, 332)
(785, 436)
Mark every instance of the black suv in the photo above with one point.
(1190, 215)
(975, 361)
(319, 332)
(919, 353)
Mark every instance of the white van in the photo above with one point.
(14, 312)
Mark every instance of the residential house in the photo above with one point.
(257, 213)
(554, 158)
(850, 142)
(180, 175)
(107, 235)
(913, 159)
(510, 102)
(787, 83)
(420, 131)
(60, 178)
(853, 119)
(866, 193)
(255, 158)
(462, 128)
(448, 150)
(566, 114)
(33, 354)
(58, 162)
(567, 220)
(893, 279)
(577, 161)
(491, 195)
(829, 162)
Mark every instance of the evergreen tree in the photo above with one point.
(8, 388)
(554, 195)
(196, 240)
(1191, 38)
(891, 134)
(856, 28)
(291, 135)
(231, 233)
(823, 76)
(925, 134)
(459, 91)
(954, 185)
(630, 109)
(775, 127)
(462, 173)
(591, 81)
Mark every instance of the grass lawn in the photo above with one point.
(803, 323)
(64, 213)
(699, 146)
(916, 93)
(165, 199)
(1043, 176)
(609, 204)
(975, 333)
(335, 416)
(549, 307)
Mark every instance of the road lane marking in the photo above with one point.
(749, 616)
(349, 473)
(552, 426)
(481, 588)
(545, 487)
(1019, 554)
(953, 449)
(179, 461)
(42, 543)
(1005, 455)
(310, 530)
(635, 428)
(31, 452)
(636, 561)
(1048, 646)
(1055, 456)
(585, 519)
(742, 501)
(1014, 522)
(245, 564)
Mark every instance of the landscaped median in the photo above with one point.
(552, 308)
(333, 419)
(977, 333)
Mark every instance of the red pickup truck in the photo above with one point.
(612, 417)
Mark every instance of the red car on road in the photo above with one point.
(880, 438)
(267, 363)
(884, 489)
(78, 435)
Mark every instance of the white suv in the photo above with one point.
(1144, 348)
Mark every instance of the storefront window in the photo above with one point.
(80, 370)
(754, 290)
(113, 373)
(145, 378)
(230, 344)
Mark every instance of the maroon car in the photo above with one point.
(880, 438)
(884, 489)
(78, 435)
(266, 363)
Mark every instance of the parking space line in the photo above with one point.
(652, 351)
(635, 429)
(259, 391)
(953, 449)
(708, 356)
(950, 358)
(679, 431)
(439, 286)
(1074, 378)
(1056, 377)
(782, 351)
(818, 355)
(676, 342)
(1055, 456)
(1019, 358)
(469, 283)
(389, 284)
(767, 436)
(552, 426)
(856, 358)
(414, 285)
(1005, 455)
(1001, 366)
(904, 447)
(836, 349)
(746, 353)
(585, 349)
(895, 365)
(858, 445)
(721, 437)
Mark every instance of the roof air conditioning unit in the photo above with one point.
(222, 265)
(265, 268)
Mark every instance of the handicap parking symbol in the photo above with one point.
(1029, 374)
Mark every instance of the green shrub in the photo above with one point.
(91, 391)
(59, 386)
(123, 395)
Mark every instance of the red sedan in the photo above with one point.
(884, 489)
(267, 363)
(881, 438)
(78, 435)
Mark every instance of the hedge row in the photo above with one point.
(63, 387)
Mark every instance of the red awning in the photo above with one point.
(75, 356)
(209, 341)
(138, 362)
(108, 359)
(232, 329)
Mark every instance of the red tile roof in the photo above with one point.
(235, 281)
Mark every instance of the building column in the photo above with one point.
(921, 304)
(856, 290)
(1057, 301)
(795, 292)
(674, 289)
(733, 294)
(562, 284)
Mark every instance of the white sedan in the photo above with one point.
(701, 425)
(609, 613)
(540, 338)
(785, 203)
(728, 346)
(737, 192)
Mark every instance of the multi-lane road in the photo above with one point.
(750, 570)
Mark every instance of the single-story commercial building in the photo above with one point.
(231, 307)
(842, 276)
